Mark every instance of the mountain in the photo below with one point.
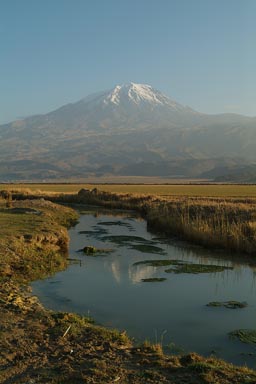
(238, 174)
(131, 129)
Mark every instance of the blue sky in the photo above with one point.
(200, 52)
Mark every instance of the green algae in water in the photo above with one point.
(244, 335)
(231, 304)
(154, 280)
(215, 304)
(196, 268)
(145, 248)
(126, 240)
(55, 282)
(118, 223)
(158, 263)
(95, 233)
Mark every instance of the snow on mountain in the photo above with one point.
(138, 95)
(130, 129)
(125, 107)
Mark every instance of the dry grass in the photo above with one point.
(221, 224)
(195, 190)
(226, 223)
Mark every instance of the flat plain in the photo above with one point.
(191, 190)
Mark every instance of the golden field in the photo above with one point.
(191, 190)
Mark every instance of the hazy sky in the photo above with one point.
(200, 52)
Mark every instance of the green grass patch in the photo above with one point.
(69, 323)
(112, 335)
(202, 366)
(34, 242)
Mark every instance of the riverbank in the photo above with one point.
(220, 223)
(41, 346)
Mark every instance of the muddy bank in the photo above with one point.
(41, 346)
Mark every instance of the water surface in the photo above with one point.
(110, 289)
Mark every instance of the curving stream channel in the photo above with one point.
(120, 288)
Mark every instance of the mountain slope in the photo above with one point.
(131, 128)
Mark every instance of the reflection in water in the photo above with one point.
(135, 274)
(116, 270)
(138, 273)
(110, 288)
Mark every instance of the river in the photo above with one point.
(112, 287)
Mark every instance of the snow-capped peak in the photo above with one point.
(138, 94)
(143, 92)
(114, 97)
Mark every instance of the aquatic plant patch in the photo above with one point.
(196, 268)
(153, 280)
(118, 223)
(244, 335)
(165, 240)
(55, 282)
(145, 248)
(158, 263)
(94, 233)
(90, 250)
(232, 304)
(123, 240)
